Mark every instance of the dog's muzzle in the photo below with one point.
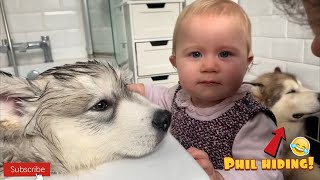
(161, 120)
(300, 115)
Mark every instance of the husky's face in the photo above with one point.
(285, 96)
(80, 115)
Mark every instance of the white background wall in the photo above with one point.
(60, 19)
(278, 42)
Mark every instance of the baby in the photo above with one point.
(213, 114)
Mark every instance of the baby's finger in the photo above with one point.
(138, 88)
(197, 154)
(206, 166)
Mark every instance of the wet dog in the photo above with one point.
(291, 103)
(76, 116)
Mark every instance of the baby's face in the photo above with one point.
(211, 57)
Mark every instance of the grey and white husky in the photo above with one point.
(292, 104)
(76, 116)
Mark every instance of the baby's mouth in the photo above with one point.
(208, 82)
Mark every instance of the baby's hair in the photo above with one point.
(215, 8)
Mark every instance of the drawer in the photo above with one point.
(153, 57)
(154, 20)
(163, 80)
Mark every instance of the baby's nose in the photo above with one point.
(209, 65)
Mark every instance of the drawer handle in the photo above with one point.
(159, 43)
(156, 5)
(160, 78)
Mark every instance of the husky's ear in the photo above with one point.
(257, 91)
(257, 88)
(125, 73)
(16, 87)
(15, 93)
(277, 70)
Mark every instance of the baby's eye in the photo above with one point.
(224, 54)
(196, 54)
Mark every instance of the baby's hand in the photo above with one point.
(203, 160)
(138, 88)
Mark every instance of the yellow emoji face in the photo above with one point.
(300, 146)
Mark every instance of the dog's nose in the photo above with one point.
(319, 97)
(161, 120)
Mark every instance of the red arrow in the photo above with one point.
(273, 146)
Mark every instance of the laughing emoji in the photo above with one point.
(300, 146)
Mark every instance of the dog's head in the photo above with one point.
(79, 114)
(285, 96)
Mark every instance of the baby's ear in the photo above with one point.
(15, 95)
(172, 60)
(250, 57)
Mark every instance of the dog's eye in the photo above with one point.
(291, 91)
(100, 106)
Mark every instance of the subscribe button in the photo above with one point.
(26, 169)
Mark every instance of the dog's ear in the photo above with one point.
(257, 91)
(277, 70)
(15, 93)
(16, 87)
(126, 74)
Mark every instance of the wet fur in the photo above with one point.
(292, 104)
(55, 118)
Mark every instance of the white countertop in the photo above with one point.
(170, 162)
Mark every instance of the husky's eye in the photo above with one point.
(100, 106)
(291, 91)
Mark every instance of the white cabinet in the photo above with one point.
(191, 1)
(153, 20)
(149, 26)
(163, 80)
(153, 57)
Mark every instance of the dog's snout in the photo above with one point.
(161, 120)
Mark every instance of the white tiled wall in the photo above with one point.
(278, 42)
(60, 19)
